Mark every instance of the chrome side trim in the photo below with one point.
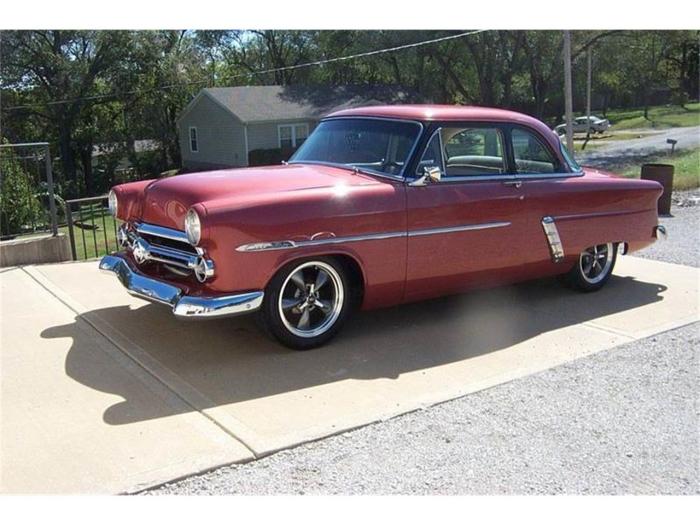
(289, 244)
(559, 175)
(552, 233)
(509, 177)
(184, 306)
(160, 231)
(453, 229)
(593, 215)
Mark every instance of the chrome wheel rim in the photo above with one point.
(311, 299)
(595, 262)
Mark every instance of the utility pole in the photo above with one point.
(569, 105)
(588, 96)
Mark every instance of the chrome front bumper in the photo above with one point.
(145, 287)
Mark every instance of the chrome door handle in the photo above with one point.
(515, 183)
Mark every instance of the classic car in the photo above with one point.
(596, 125)
(381, 205)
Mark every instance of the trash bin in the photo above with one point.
(663, 174)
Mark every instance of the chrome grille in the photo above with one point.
(149, 242)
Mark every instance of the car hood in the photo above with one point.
(166, 201)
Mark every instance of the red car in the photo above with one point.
(380, 205)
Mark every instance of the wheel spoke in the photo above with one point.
(303, 323)
(298, 280)
(288, 304)
(325, 307)
(587, 263)
(321, 279)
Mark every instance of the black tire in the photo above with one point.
(286, 323)
(590, 281)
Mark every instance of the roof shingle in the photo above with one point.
(269, 103)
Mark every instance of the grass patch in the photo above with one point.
(686, 168)
(98, 235)
(660, 117)
(597, 141)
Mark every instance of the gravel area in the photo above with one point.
(683, 226)
(623, 421)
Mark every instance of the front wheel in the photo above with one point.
(593, 268)
(306, 302)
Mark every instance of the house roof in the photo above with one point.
(272, 103)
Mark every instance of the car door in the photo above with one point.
(469, 228)
(543, 173)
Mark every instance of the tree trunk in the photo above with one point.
(66, 152)
(86, 163)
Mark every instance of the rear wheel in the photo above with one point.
(593, 268)
(307, 302)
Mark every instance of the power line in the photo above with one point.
(362, 55)
(258, 72)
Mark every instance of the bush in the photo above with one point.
(268, 157)
(19, 206)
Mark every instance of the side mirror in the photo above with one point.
(434, 174)
(430, 174)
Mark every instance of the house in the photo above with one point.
(252, 125)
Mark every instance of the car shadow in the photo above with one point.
(231, 361)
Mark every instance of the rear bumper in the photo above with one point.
(189, 306)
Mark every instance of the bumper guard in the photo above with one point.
(140, 285)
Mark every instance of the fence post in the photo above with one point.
(71, 237)
(52, 197)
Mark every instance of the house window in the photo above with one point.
(292, 135)
(194, 146)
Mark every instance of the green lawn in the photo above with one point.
(660, 117)
(687, 168)
(91, 243)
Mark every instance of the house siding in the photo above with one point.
(220, 137)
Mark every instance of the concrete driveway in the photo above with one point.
(102, 392)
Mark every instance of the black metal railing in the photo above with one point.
(92, 230)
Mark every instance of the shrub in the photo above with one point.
(19, 205)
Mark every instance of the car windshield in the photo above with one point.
(375, 145)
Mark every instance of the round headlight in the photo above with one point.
(112, 202)
(193, 227)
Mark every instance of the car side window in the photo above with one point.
(473, 151)
(531, 156)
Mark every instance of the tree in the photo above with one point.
(58, 73)
(19, 205)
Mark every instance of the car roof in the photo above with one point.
(432, 112)
(442, 112)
